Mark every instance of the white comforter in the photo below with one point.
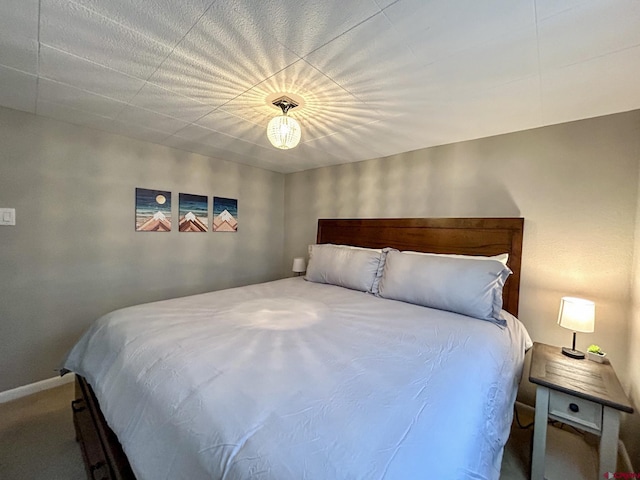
(295, 380)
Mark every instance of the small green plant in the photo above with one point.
(595, 349)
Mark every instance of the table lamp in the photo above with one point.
(576, 314)
(299, 266)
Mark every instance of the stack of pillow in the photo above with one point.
(469, 285)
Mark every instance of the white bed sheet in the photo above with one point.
(296, 380)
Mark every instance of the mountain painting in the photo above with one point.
(193, 213)
(153, 210)
(225, 214)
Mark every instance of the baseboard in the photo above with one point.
(25, 390)
(528, 408)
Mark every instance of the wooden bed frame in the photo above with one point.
(101, 451)
(465, 236)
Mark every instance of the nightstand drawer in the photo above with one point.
(575, 410)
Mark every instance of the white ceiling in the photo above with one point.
(378, 77)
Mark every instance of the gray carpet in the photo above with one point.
(37, 441)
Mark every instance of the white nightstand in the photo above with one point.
(581, 393)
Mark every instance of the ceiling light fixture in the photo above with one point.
(284, 131)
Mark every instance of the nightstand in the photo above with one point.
(581, 393)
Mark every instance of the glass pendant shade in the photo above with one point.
(283, 132)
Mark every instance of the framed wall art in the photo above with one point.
(153, 210)
(225, 214)
(193, 213)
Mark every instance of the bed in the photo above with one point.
(308, 379)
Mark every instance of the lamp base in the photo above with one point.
(569, 352)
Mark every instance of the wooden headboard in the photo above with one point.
(466, 236)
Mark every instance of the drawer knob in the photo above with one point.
(77, 405)
(96, 468)
(574, 408)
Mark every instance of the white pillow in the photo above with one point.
(383, 257)
(351, 267)
(470, 286)
(502, 258)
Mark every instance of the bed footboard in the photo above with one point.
(102, 454)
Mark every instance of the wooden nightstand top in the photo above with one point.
(592, 381)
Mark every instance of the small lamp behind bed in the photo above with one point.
(576, 314)
(299, 266)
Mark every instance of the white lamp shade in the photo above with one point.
(299, 265)
(283, 132)
(577, 314)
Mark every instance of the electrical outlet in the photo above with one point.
(7, 216)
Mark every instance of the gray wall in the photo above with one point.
(74, 255)
(576, 185)
(634, 342)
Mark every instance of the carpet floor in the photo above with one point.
(37, 442)
(37, 438)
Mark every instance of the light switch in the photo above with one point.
(7, 216)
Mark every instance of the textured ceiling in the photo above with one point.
(378, 77)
